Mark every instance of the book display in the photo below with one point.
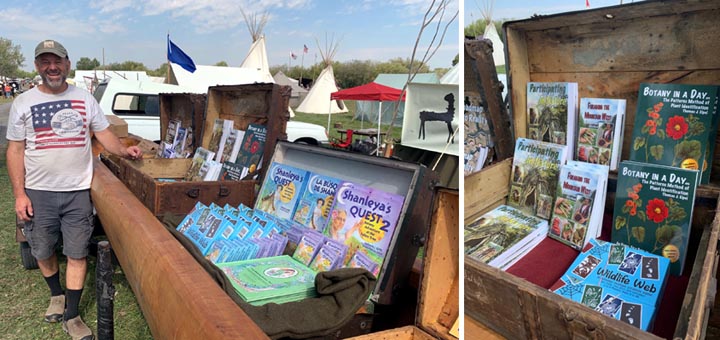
(552, 112)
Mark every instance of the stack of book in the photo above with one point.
(178, 141)
(278, 279)
(619, 281)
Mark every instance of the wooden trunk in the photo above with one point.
(189, 108)
(608, 52)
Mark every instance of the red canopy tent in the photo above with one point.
(371, 91)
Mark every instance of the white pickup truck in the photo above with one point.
(138, 103)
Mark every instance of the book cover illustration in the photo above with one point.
(252, 147)
(616, 280)
(314, 205)
(600, 131)
(232, 172)
(360, 260)
(232, 145)
(534, 176)
(273, 279)
(171, 134)
(309, 245)
(502, 234)
(192, 217)
(227, 132)
(281, 190)
(216, 135)
(201, 156)
(673, 125)
(479, 142)
(552, 112)
(579, 204)
(653, 209)
(365, 220)
(179, 147)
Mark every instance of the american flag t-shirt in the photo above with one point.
(59, 124)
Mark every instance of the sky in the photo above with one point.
(524, 9)
(210, 31)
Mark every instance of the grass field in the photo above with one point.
(24, 295)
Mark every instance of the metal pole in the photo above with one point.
(104, 292)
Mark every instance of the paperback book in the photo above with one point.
(281, 190)
(617, 280)
(653, 209)
(252, 147)
(579, 204)
(479, 142)
(534, 176)
(601, 126)
(674, 126)
(201, 156)
(226, 141)
(503, 235)
(314, 205)
(552, 111)
(365, 220)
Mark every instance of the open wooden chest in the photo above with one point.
(608, 52)
(438, 301)
(264, 104)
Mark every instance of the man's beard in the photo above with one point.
(55, 85)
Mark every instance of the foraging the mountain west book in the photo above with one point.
(578, 209)
(600, 131)
(653, 209)
(552, 112)
(534, 176)
(503, 235)
(617, 280)
(674, 125)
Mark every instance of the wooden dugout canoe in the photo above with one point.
(178, 298)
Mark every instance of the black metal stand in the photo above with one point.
(104, 292)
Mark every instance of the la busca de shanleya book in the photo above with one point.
(580, 202)
(617, 280)
(534, 176)
(601, 125)
(674, 126)
(552, 112)
(653, 209)
(365, 220)
(281, 190)
(503, 235)
(313, 208)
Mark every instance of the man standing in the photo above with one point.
(49, 160)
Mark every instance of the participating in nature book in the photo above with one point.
(503, 235)
(674, 125)
(314, 206)
(479, 142)
(252, 147)
(281, 190)
(201, 156)
(579, 204)
(276, 279)
(365, 220)
(617, 280)
(601, 125)
(653, 209)
(534, 176)
(552, 112)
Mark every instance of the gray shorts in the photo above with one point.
(69, 214)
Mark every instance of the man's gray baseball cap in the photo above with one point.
(51, 46)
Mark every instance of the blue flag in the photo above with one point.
(177, 56)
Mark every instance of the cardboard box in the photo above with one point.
(608, 52)
(118, 126)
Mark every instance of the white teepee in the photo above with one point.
(257, 55)
(492, 34)
(318, 99)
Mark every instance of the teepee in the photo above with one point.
(492, 34)
(318, 100)
(257, 56)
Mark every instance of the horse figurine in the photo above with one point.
(446, 117)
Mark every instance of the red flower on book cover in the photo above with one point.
(657, 211)
(676, 127)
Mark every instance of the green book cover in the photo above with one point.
(673, 125)
(600, 131)
(552, 112)
(270, 279)
(653, 209)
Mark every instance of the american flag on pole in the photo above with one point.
(293, 55)
(305, 49)
(59, 124)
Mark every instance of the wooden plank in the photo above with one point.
(402, 333)
(484, 188)
(178, 298)
(162, 167)
(518, 75)
(472, 329)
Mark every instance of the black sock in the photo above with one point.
(72, 301)
(53, 282)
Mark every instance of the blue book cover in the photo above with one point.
(281, 190)
(619, 281)
(314, 206)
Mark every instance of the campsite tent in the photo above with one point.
(452, 76)
(318, 99)
(298, 92)
(368, 110)
(257, 55)
(206, 76)
(369, 92)
(491, 34)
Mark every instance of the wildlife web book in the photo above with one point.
(317, 198)
(365, 220)
(552, 111)
(534, 176)
(653, 209)
(617, 280)
(600, 131)
(674, 126)
(281, 190)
